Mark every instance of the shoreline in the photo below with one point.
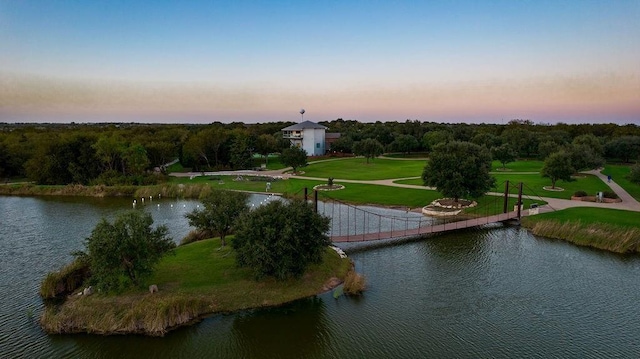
(182, 301)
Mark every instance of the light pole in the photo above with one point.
(302, 115)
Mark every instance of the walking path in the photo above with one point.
(628, 202)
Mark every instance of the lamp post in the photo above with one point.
(302, 115)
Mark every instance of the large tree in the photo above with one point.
(433, 138)
(124, 253)
(558, 167)
(281, 239)
(504, 153)
(369, 148)
(459, 169)
(404, 143)
(294, 157)
(221, 211)
(266, 144)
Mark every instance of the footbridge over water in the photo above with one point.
(351, 223)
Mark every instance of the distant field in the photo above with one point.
(359, 169)
(414, 155)
(519, 166)
(619, 174)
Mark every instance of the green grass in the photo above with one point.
(358, 169)
(619, 174)
(413, 155)
(609, 229)
(590, 215)
(534, 183)
(273, 163)
(176, 167)
(200, 279)
(519, 166)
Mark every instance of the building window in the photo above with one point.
(317, 145)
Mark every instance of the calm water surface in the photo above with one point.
(493, 292)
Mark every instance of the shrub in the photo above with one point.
(580, 194)
(281, 239)
(330, 181)
(609, 194)
(220, 213)
(124, 253)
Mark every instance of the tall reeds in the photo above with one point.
(64, 281)
(597, 235)
(354, 283)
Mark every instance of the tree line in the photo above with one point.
(136, 153)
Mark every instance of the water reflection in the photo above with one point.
(269, 333)
(496, 292)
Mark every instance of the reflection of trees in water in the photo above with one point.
(296, 330)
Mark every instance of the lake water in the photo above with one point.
(489, 292)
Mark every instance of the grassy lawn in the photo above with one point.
(201, 278)
(533, 185)
(519, 166)
(619, 174)
(413, 155)
(272, 164)
(176, 167)
(609, 229)
(204, 267)
(358, 169)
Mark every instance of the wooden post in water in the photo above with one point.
(315, 201)
(519, 199)
(506, 196)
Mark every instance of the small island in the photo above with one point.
(201, 279)
(279, 252)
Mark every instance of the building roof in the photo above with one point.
(306, 125)
(332, 135)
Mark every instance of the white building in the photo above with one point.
(308, 135)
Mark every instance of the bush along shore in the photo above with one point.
(585, 227)
(201, 279)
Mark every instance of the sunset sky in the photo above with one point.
(261, 61)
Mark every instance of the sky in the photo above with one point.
(571, 61)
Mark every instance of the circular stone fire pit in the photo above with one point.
(326, 187)
(446, 207)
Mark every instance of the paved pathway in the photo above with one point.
(628, 202)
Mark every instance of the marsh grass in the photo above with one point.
(354, 283)
(29, 189)
(64, 281)
(201, 279)
(597, 235)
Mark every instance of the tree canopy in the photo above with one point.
(369, 148)
(294, 157)
(221, 211)
(281, 239)
(124, 253)
(504, 153)
(558, 167)
(459, 169)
